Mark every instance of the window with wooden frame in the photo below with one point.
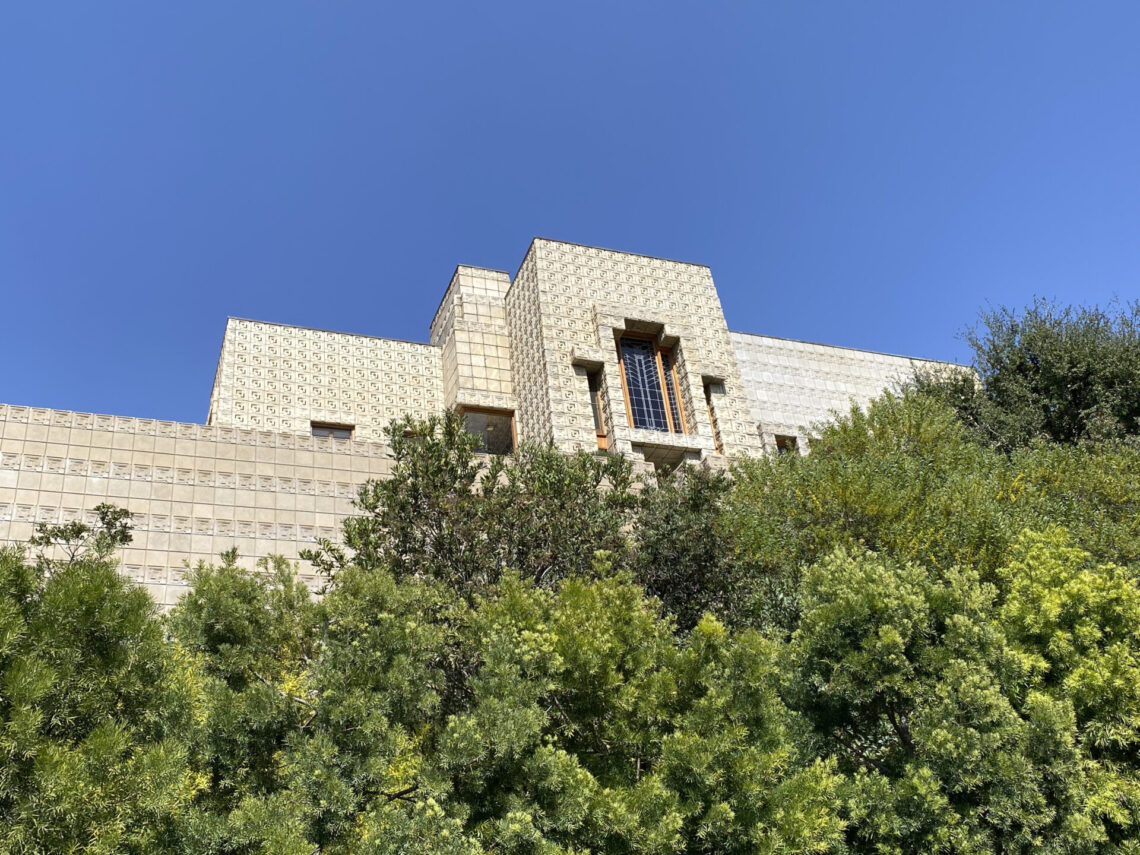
(595, 380)
(649, 384)
(495, 429)
(336, 431)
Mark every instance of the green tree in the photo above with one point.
(900, 478)
(95, 706)
(593, 727)
(390, 665)
(1076, 623)
(548, 513)
(1090, 489)
(683, 555)
(887, 646)
(77, 539)
(903, 478)
(445, 513)
(555, 718)
(252, 635)
(949, 730)
(1053, 373)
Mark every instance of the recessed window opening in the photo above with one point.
(785, 444)
(649, 381)
(331, 429)
(495, 429)
(712, 389)
(595, 380)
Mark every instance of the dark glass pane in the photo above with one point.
(335, 431)
(785, 444)
(493, 430)
(671, 389)
(643, 383)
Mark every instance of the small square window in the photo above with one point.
(495, 429)
(785, 444)
(336, 431)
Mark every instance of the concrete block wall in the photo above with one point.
(575, 300)
(279, 378)
(470, 328)
(528, 354)
(195, 490)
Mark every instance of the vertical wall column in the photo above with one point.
(470, 327)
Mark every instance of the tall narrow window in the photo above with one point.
(670, 375)
(649, 380)
(710, 390)
(595, 380)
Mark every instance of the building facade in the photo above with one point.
(584, 349)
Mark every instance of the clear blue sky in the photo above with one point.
(858, 173)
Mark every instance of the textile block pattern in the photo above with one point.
(280, 378)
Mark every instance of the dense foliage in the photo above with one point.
(96, 708)
(905, 479)
(1048, 373)
(910, 641)
(443, 514)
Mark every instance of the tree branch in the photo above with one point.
(403, 795)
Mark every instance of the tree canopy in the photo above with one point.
(1054, 373)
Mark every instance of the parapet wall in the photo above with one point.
(194, 490)
(281, 378)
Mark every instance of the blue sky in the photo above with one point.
(865, 174)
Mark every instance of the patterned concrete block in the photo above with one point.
(195, 490)
(281, 378)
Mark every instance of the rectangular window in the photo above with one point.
(710, 390)
(785, 444)
(595, 381)
(334, 430)
(495, 429)
(649, 380)
(671, 396)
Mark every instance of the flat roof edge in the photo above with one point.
(334, 332)
(855, 349)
